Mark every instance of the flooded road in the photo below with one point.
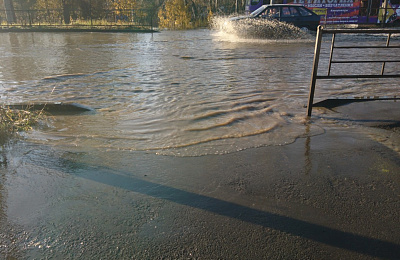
(154, 171)
(181, 93)
(191, 93)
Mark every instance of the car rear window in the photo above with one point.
(304, 11)
(285, 11)
(293, 11)
(289, 11)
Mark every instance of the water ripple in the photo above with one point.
(183, 93)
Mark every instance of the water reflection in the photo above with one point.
(181, 93)
(10, 233)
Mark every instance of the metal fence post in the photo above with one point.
(387, 45)
(317, 51)
(331, 55)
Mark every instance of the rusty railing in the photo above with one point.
(380, 75)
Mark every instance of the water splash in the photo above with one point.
(249, 28)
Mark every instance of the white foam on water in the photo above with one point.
(261, 30)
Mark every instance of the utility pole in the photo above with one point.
(10, 12)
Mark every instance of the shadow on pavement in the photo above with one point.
(340, 239)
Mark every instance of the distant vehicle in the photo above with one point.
(297, 15)
(344, 11)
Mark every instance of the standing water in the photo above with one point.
(184, 93)
(93, 185)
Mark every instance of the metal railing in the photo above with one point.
(334, 32)
(138, 18)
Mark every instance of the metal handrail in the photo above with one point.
(321, 30)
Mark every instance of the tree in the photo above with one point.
(124, 8)
(175, 14)
(10, 13)
(66, 6)
(49, 9)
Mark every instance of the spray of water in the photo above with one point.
(258, 28)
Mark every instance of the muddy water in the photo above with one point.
(181, 93)
(94, 185)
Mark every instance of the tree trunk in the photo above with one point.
(66, 11)
(10, 12)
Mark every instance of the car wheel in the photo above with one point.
(305, 29)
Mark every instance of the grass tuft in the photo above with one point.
(13, 121)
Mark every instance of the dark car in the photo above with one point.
(297, 15)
